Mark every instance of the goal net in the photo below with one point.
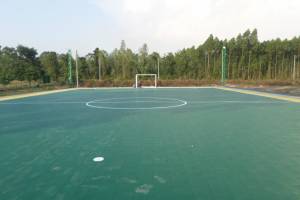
(146, 80)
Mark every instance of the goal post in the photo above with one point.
(137, 76)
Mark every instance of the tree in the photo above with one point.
(9, 65)
(50, 65)
(62, 60)
(29, 63)
(248, 58)
(142, 59)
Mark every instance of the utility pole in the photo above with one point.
(70, 67)
(99, 62)
(294, 70)
(158, 68)
(77, 81)
(208, 66)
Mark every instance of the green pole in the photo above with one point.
(224, 64)
(70, 66)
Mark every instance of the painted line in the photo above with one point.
(262, 94)
(89, 104)
(33, 94)
(158, 87)
(40, 103)
(105, 88)
(188, 87)
(120, 102)
(238, 102)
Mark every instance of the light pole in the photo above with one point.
(224, 63)
(99, 63)
(294, 70)
(158, 68)
(70, 66)
(77, 81)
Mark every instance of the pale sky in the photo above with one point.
(165, 25)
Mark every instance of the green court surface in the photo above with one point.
(158, 144)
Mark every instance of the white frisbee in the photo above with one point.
(98, 159)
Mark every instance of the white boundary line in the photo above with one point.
(182, 103)
(158, 87)
(120, 102)
(238, 102)
(262, 94)
(191, 87)
(105, 88)
(41, 103)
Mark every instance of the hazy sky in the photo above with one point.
(165, 25)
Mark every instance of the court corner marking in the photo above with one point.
(262, 94)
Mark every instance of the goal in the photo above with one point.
(141, 82)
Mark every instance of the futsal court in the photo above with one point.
(155, 144)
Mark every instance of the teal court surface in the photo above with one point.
(158, 144)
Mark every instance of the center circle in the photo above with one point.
(136, 103)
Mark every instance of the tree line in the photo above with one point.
(248, 59)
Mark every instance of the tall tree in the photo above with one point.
(29, 63)
(50, 64)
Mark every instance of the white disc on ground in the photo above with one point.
(98, 159)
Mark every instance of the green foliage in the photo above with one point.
(19, 64)
(248, 59)
(50, 64)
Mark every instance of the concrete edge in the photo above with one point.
(33, 94)
(262, 94)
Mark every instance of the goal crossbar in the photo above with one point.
(138, 75)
